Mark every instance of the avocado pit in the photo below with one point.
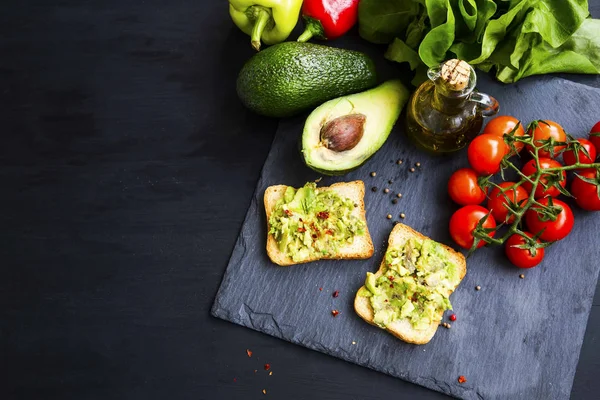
(343, 133)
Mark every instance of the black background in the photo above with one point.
(127, 164)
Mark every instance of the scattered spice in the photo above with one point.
(412, 170)
(323, 215)
(390, 181)
(255, 370)
(389, 216)
(353, 342)
(249, 353)
(373, 173)
(394, 201)
(402, 215)
(267, 367)
(399, 162)
(399, 195)
(301, 229)
(374, 189)
(386, 300)
(334, 313)
(264, 391)
(235, 379)
(336, 293)
(445, 324)
(462, 379)
(355, 205)
(448, 326)
(386, 190)
(320, 289)
(477, 287)
(417, 164)
(522, 276)
(270, 373)
(453, 317)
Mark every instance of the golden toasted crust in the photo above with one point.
(402, 328)
(360, 248)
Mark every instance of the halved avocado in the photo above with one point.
(341, 134)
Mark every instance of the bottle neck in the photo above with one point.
(448, 102)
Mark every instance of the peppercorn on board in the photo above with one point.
(513, 338)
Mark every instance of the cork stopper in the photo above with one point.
(456, 74)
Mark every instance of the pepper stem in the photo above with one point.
(262, 18)
(314, 28)
(306, 35)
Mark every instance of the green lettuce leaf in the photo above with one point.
(382, 21)
(517, 38)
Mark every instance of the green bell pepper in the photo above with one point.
(269, 20)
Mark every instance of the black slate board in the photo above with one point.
(514, 339)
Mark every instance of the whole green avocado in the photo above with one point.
(291, 77)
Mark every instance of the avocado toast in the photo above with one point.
(310, 223)
(409, 293)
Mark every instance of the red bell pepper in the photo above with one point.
(328, 19)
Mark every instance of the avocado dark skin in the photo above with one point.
(289, 78)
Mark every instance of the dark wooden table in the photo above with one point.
(127, 164)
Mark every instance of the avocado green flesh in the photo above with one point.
(415, 284)
(381, 106)
(310, 222)
(291, 77)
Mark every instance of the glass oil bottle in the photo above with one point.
(446, 112)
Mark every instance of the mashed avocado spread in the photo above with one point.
(311, 221)
(416, 281)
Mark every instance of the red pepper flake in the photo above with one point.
(336, 293)
(249, 353)
(329, 232)
(235, 379)
(314, 236)
(462, 379)
(335, 313)
(320, 289)
(453, 317)
(392, 285)
(264, 391)
(288, 213)
(267, 367)
(301, 229)
(323, 215)
(386, 300)
(300, 219)
(391, 278)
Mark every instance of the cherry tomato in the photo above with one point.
(553, 230)
(464, 221)
(522, 258)
(504, 124)
(530, 168)
(497, 201)
(586, 194)
(485, 153)
(544, 130)
(569, 155)
(464, 189)
(595, 136)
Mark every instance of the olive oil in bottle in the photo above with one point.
(445, 113)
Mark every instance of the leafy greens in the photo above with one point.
(517, 38)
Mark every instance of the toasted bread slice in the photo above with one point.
(402, 328)
(360, 248)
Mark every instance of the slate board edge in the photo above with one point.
(465, 392)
